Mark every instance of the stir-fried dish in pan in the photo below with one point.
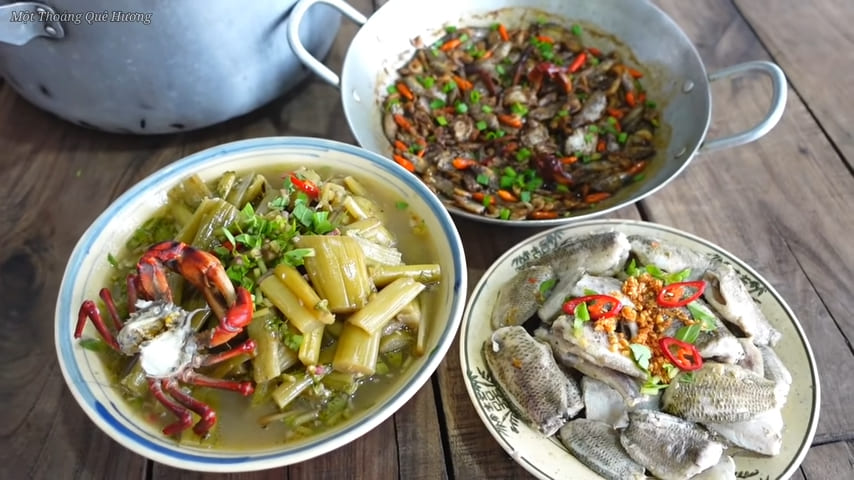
(524, 123)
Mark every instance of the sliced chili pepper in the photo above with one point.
(578, 62)
(674, 295)
(542, 215)
(404, 162)
(596, 197)
(405, 91)
(630, 99)
(595, 306)
(502, 30)
(450, 45)
(462, 163)
(684, 355)
(306, 186)
(595, 51)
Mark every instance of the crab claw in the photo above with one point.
(235, 319)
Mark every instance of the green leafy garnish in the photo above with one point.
(668, 278)
(504, 214)
(95, 345)
(401, 205)
(706, 318)
(641, 355)
(483, 179)
(546, 288)
(441, 120)
(688, 333)
(481, 125)
(632, 269)
(587, 291)
(112, 260)
(652, 385)
(437, 103)
(576, 29)
(581, 315)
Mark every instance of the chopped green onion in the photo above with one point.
(483, 179)
(450, 29)
(638, 177)
(391, 89)
(437, 103)
(475, 96)
(487, 200)
(523, 154)
(622, 137)
(504, 214)
(428, 82)
(632, 269)
(486, 109)
(500, 69)
(461, 107)
(519, 109)
(576, 29)
(441, 120)
(509, 171)
(401, 205)
(593, 60)
(481, 125)
(612, 120)
(525, 196)
(593, 129)
(506, 181)
(494, 26)
(563, 113)
(449, 87)
(651, 104)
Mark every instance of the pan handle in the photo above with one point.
(23, 21)
(778, 103)
(294, 23)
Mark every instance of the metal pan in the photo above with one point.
(677, 74)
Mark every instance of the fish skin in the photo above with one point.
(597, 445)
(752, 359)
(603, 403)
(719, 344)
(519, 299)
(728, 295)
(775, 371)
(628, 387)
(761, 434)
(667, 256)
(593, 346)
(720, 393)
(603, 286)
(724, 470)
(532, 382)
(670, 447)
(601, 253)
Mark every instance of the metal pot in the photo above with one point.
(143, 67)
(678, 77)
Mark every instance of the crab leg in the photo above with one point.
(88, 310)
(204, 411)
(107, 297)
(185, 419)
(194, 378)
(234, 320)
(212, 359)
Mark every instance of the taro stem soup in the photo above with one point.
(263, 308)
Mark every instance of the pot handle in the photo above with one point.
(24, 21)
(294, 22)
(778, 103)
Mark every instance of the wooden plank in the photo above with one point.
(812, 41)
(832, 460)
(784, 210)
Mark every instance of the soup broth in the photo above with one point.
(333, 394)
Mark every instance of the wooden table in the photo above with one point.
(783, 203)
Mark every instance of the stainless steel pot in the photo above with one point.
(148, 67)
(678, 77)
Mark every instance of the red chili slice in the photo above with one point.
(684, 355)
(306, 186)
(674, 295)
(595, 306)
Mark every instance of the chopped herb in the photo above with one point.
(612, 120)
(525, 196)
(588, 291)
(622, 137)
(562, 188)
(449, 87)
(483, 179)
(481, 125)
(688, 333)
(506, 181)
(486, 109)
(593, 60)
(651, 104)
(487, 200)
(441, 120)
(500, 69)
(95, 345)
(504, 214)
(653, 385)
(686, 377)
(593, 129)
(509, 171)
(391, 89)
(546, 288)
(112, 260)
(461, 107)
(475, 96)
(632, 269)
(450, 29)
(428, 82)
(295, 257)
(401, 205)
(437, 103)
(638, 177)
(668, 278)
(523, 154)
(494, 26)
(641, 354)
(699, 312)
(576, 29)
(588, 137)
(581, 315)
(519, 109)
(563, 113)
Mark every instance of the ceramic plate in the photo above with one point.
(546, 457)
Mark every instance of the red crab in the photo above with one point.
(161, 333)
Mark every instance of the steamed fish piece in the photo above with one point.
(519, 299)
(603, 253)
(592, 346)
(597, 445)
(526, 372)
(762, 434)
(603, 403)
(775, 371)
(603, 286)
(719, 344)
(724, 470)
(670, 447)
(628, 387)
(730, 298)
(668, 257)
(752, 359)
(720, 393)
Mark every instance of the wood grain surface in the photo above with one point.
(782, 203)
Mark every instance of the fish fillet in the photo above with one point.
(597, 445)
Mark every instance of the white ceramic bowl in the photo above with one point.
(88, 268)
